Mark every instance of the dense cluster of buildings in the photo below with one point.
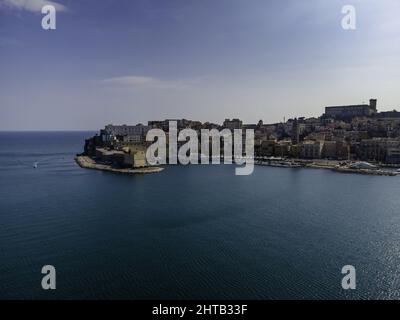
(353, 132)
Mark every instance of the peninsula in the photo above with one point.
(347, 139)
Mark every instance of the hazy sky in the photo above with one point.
(129, 61)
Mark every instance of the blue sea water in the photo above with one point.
(190, 231)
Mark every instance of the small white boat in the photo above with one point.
(35, 165)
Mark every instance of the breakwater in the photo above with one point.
(88, 163)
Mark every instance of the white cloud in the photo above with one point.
(147, 82)
(30, 5)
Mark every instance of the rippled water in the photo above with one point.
(190, 231)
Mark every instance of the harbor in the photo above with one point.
(357, 167)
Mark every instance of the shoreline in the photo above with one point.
(327, 165)
(88, 163)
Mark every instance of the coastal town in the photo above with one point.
(351, 138)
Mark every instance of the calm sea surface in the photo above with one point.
(190, 231)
